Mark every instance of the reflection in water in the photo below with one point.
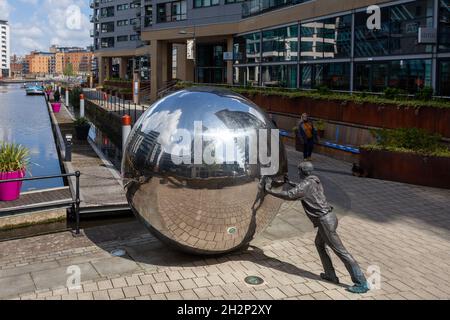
(25, 120)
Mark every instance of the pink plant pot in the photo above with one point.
(10, 191)
(56, 106)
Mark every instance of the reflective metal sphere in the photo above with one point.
(184, 198)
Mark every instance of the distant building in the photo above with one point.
(4, 49)
(58, 61)
(16, 67)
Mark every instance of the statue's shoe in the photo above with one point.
(328, 278)
(358, 288)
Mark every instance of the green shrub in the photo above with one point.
(409, 140)
(393, 93)
(425, 93)
(74, 97)
(13, 157)
(81, 122)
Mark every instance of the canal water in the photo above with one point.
(25, 120)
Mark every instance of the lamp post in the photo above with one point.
(184, 32)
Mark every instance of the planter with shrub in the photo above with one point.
(407, 155)
(13, 162)
(82, 127)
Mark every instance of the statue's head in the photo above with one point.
(305, 169)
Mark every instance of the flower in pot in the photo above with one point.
(56, 105)
(13, 162)
(82, 127)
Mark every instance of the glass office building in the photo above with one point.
(340, 51)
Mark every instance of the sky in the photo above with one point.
(38, 24)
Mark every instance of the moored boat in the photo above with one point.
(34, 90)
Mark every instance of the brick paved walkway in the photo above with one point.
(402, 229)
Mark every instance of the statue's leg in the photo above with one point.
(329, 225)
(324, 256)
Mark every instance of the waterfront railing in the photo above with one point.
(74, 202)
(116, 104)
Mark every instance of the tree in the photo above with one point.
(68, 70)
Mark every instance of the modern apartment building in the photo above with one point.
(303, 44)
(5, 55)
(117, 28)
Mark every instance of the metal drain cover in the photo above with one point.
(118, 252)
(254, 280)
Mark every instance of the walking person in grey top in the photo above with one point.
(310, 192)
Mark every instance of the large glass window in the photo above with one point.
(280, 76)
(280, 44)
(444, 78)
(205, 3)
(172, 11)
(246, 76)
(408, 75)
(247, 48)
(444, 25)
(399, 30)
(326, 39)
(335, 76)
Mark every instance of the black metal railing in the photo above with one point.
(75, 203)
(116, 104)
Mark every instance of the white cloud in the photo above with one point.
(5, 10)
(51, 23)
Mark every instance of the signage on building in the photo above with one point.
(228, 56)
(427, 35)
(190, 49)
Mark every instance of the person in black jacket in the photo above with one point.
(310, 192)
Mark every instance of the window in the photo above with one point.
(247, 48)
(121, 7)
(121, 23)
(444, 78)
(205, 3)
(122, 38)
(233, 1)
(279, 76)
(408, 75)
(107, 42)
(107, 12)
(444, 25)
(171, 11)
(148, 18)
(335, 76)
(280, 44)
(326, 39)
(107, 27)
(135, 37)
(399, 30)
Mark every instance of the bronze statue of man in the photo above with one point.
(310, 192)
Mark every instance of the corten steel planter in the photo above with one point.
(406, 167)
(390, 116)
(10, 191)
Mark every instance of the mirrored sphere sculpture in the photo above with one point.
(192, 166)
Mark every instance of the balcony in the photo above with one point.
(94, 3)
(93, 19)
(255, 7)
